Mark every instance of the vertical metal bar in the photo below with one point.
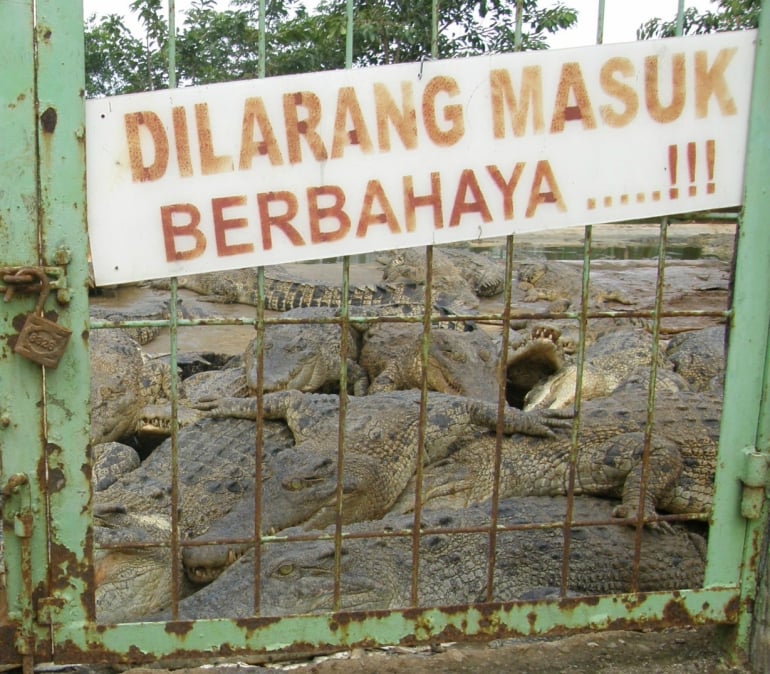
(424, 349)
(600, 23)
(260, 360)
(745, 411)
(173, 362)
(171, 44)
(517, 39)
(344, 325)
(343, 398)
(501, 403)
(579, 364)
(174, 477)
(259, 440)
(679, 19)
(21, 395)
(349, 34)
(63, 463)
(262, 53)
(640, 512)
(434, 29)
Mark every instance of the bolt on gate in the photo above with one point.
(64, 543)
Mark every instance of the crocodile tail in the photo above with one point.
(283, 295)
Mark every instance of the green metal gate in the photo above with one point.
(45, 463)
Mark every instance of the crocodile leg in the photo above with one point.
(663, 471)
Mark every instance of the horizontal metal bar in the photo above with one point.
(98, 324)
(345, 629)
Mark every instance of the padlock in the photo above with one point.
(40, 340)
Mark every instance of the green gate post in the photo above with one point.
(743, 442)
(44, 413)
(754, 628)
(62, 218)
(21, 386)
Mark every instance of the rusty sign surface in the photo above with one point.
(309, 166)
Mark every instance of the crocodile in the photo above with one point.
(610, 444)
(116, 384)
(145, 309)
(297, 577)
(454, 270)
(459, 363)
(305, 357)
(381, 440)
(110, 461)
(133, 579)
(127, 388)
(560, 283)
(533, 355)
(282, 291)
(699, 357)
(608, 361)
(216, 463)
(466, 363)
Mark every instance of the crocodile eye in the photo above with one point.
(294, 484)
(285, 569)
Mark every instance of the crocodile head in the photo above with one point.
(116, 366)
(461, 363)
(304, 357)
(132, 563)
(299, 578)
(300, 486)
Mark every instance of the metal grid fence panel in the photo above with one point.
(57, 558)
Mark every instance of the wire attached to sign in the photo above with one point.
(423, 58)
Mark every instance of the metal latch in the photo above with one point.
(11, 281)
(755, 474)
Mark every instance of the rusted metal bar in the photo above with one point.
(424, 347)
(650, 420)
(259, 346)
(574, 451)
(501, 403)
(343, 397)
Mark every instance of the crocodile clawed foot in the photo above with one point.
(550, 420)
(659, 526)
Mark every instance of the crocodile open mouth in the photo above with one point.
(202, 575)
(532, 362)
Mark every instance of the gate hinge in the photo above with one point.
(19, 516)
(755, 477)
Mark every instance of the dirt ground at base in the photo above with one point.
(698, 650)
(686, 651)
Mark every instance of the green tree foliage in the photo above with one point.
(728, 15)
(397, 31)
(114, 57)
(215, 45)
(118, 62)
